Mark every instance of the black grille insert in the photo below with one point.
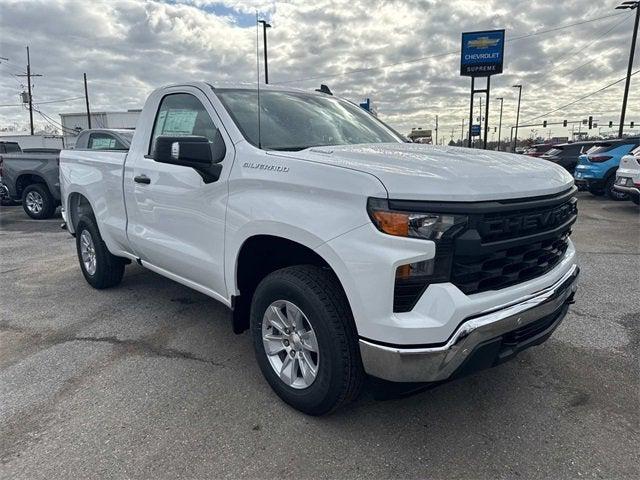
(509, 266)
(504, 243)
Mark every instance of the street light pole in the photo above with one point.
(86, 99)
(629, 5)
(265, 25)
(500, 122)
(515, 141)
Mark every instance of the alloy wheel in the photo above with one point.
(34, 202)
(88, 252)
(290, 344)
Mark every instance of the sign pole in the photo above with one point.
(486, 114)
(473, 81)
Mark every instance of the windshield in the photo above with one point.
(295, 121)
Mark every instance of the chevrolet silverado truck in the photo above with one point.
(33, 176)
(344, 250)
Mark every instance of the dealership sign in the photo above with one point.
(482, 53)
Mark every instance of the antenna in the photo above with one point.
(258, 75)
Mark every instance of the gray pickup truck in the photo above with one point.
(33, 177)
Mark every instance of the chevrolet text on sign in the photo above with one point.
(482, 53)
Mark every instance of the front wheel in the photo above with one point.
(99, 266)
(305, 339)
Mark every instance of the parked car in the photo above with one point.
(596, 169)
(33, 177)
(628, 176)
(345, 250)
(538, 149)
(566, 154)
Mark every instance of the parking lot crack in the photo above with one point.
(148, 349)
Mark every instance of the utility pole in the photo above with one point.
(265, 25)
(629, 5)
(29, 75)
(500, 123)
(86, 99)
(519, 87)
(436, 129)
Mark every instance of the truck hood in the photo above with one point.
(412, 171)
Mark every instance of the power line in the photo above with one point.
(570, 55)
(444, 54)
(62, 100)
(580, 99)
(51, 121)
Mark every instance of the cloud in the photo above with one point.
(129, 47)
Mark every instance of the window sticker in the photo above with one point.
(103, 143)
(179, 122)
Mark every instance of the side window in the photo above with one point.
(103, 141)
(12, 148)
(182, 114)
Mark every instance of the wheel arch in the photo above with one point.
(258, 256)
(28, 178)
(77, 205)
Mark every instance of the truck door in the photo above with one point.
(175, 220)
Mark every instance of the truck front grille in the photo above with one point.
(504, 243)
(502, 268)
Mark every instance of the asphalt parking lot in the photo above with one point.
(147, 380)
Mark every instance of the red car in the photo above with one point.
(539, 149)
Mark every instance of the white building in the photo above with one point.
(76, 122)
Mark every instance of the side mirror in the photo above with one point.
(194, 152)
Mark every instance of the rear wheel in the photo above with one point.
(636, 199)
(305, 340)
(99, 266)
(612, 193)
(37, 201)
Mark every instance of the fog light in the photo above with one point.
(425, 267)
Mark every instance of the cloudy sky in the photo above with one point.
(402, 54)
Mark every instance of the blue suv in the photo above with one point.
(596, 169)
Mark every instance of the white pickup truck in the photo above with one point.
(345, 250)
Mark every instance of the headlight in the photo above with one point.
(430, 226)
(412, 279)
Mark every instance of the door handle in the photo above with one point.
(142, 179)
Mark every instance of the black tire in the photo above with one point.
(635, 199)
(612, 193)
(597, 191)
(38, 202)
(317, 292)
(109, 269)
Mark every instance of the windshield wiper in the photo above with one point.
(290, 149)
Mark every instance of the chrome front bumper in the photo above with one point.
(436, 363)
